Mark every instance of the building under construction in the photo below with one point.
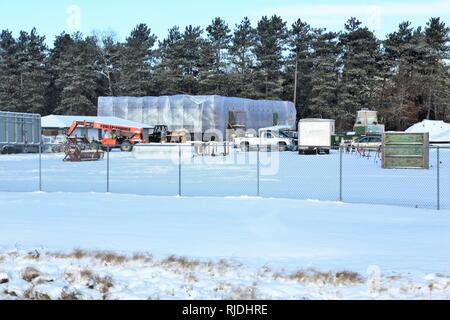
(201, 114)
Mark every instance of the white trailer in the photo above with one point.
(315, 135)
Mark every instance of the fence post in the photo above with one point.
(179, 171)
(40, 166)
(341, 153)
(258, 171)
(438, 179)
(108, 149)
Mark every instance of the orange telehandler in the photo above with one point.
(115, 136)
(81, 149)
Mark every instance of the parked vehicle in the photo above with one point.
(315, 135)
(19, 132)
(368, 143)
(161, 134)
(271, 139)
(124, 137)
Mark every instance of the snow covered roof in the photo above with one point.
(62, 122)
(439, 130)
(276, 128)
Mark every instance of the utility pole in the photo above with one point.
(296, 79)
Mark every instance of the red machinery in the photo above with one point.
(124, 137)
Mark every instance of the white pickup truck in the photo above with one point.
(272, 139)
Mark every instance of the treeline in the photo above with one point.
(406, 77)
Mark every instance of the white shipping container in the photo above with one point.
(315, 134)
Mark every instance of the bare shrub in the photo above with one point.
(314, 276)
(103, 284)
(70, 295)
(348, 277)
(180, 262)
(142, 257)
(29, 274)
(78, 254)
(110, 258)
(86, 274)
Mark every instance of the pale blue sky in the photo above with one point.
(51, 17)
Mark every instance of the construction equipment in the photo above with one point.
(115, 136)
(161, 134)
(80, 149)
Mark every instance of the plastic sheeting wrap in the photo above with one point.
(198, 114)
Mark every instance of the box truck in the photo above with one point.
(315, 135)
(19, 132)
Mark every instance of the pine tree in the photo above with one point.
(137, 59)
(398, 107)
(299, 67)
(324, 78)
(169, 71)
(271, 39)
(74, 75)
(219, 38)
(9, 66)
(33, 75)
(360, 63)
(243, 59)
(196, 61)
(437, 38)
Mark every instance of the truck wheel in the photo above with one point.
(282, 147)
(245, 147)
(126, 146)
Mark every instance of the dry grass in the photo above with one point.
(72, 296)
(142, 257)
(78, 254)
(29, 274)
(110, 258)
(180, 262)
(86, 274)
(314, 276)
(103, 284)
(190, 278)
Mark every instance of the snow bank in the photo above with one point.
(283, 233)
(106, 275)
(439, 130)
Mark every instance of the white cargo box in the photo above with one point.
(316, 134)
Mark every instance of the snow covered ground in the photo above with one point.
(283, 175)
(234, 247)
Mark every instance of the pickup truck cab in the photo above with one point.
(270, 139)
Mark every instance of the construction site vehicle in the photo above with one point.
(116, 136)
(80, 149)
(367, 123)
(315, 135)
(162, 134)
(270, 139)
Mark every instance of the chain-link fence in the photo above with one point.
(220, 170)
